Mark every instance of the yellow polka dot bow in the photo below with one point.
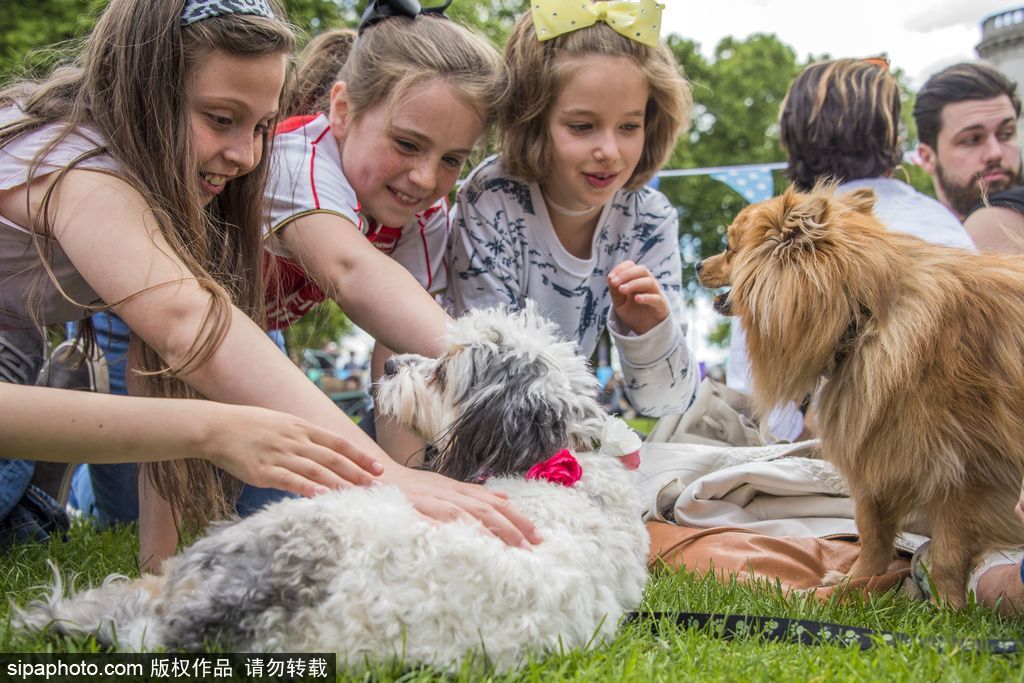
(638, 20)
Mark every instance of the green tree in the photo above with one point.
(314, 16)
(35, 35)
(911, 173)
(493, 18)
(326, 322)
(737, 94)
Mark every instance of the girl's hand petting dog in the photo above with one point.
(637, 297)
(444, 499)
(271, 449)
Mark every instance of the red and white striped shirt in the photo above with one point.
(306, 177)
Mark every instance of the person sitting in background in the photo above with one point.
(967, 121)
(966, 118)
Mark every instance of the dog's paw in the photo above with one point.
(834, 577)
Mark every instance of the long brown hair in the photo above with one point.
(130, 84)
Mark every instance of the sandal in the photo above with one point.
(924, 588)
(920, 587)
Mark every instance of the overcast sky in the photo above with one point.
(920, 36)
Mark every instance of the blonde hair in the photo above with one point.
(536, 72)
(317, 70)
(399, 53)
(130, 84)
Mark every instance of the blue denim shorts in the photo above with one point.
(36, 518)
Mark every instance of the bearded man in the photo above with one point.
(966, 119)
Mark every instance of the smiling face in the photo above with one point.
(597, 131)
(231, 102)
(977, 149)
(400, 167)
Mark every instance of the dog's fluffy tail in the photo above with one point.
(122, 612)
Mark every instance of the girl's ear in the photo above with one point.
(338, 116)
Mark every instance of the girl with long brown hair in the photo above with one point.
(133, 179)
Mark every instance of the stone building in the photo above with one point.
(1002, 42)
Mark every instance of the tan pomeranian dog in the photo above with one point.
(916, 352)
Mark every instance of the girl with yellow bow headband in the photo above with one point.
(592, 108)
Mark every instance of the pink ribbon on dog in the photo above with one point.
(561, 468)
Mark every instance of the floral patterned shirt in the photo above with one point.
(503, 250)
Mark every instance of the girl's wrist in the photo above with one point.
(202, 436)
(649, 348)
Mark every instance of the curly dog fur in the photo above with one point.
(361, 573)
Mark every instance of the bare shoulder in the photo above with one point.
(69, 193)
(996, 228)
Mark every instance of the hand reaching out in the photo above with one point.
(637, 297)
(270, 449)
(265, 448)
(443, 499)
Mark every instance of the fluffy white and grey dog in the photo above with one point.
(361, 573)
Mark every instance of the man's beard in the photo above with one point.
(963, 198)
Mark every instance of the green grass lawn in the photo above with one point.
(641, 652)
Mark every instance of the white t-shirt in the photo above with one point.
(306, 177)
(504, 251)
(25, 287)
(902, 208)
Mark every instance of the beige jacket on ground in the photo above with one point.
(777, 490)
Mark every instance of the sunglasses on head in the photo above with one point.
(379, 10)
(881, 60)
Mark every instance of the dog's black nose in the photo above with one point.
(700, 264)
(390, 367)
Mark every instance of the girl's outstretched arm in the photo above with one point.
(106, 230)
(265, 448)
(369, 286)
(374, 290)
